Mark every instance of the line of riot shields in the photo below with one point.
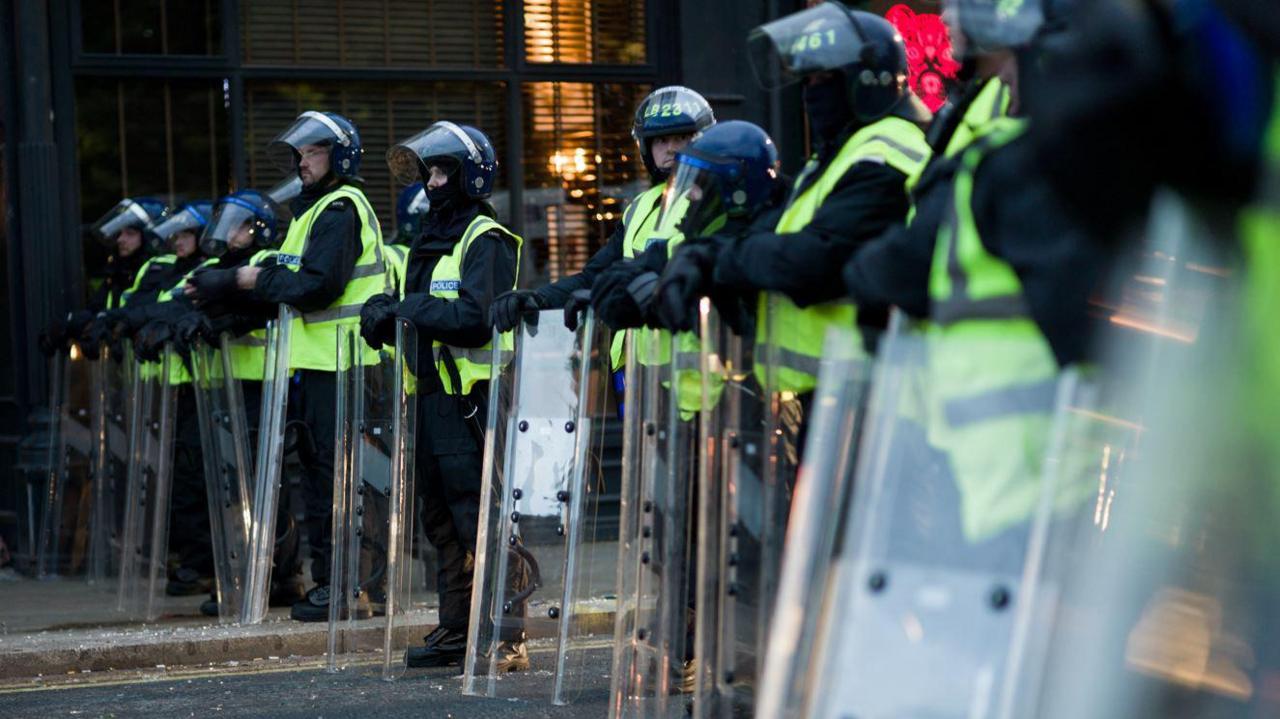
(1088, 542)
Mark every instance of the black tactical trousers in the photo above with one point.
(318, 409)
(449, 463)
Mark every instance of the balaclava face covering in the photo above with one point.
(826, 104)
(443, 196)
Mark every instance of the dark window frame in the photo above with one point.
(662, 55)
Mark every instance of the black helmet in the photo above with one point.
(671, 110)
(319, 128)
(730, 171)
(466, 146)
(862, 47)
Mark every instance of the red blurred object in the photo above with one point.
(928, 53)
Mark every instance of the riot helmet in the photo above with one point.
(463, 151)
(411, 206)
(671, 110)
(728, 172)
(136, 213)
(862, 52)
(191, 217)
(325, 129)
(989, 26)
(242, 220)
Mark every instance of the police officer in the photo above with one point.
(174, 256)
(129, 253)
(245, 228)
(331, 261)
(664, 123)
(460, 261)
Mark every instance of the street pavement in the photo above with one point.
(275, 690)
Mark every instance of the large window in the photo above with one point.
(580, 168)
(180, 99)
(393, 33)
(584, 31)
(150, 27)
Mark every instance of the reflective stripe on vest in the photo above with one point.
(473, 363)
(247, 351)
(142, 271)
(313, 344)
(177, 370)
(966, 281)
(798, 334)
(397, 262)
(638, 223)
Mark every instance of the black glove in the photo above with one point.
(151, 339)
(377, 320)
(578, 303)
(191, 328)
(213, 285)
(78, 322)
(686, 279)
(104, 330)
(509, 308)
(53, 339)
(612, 298)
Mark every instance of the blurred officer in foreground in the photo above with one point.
(461, 260)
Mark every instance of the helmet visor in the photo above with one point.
(692, 204)
(821, 38)
(991, 25)
(126, 213)
(233, 228)
(311, 128)
(407, 159)
(288, 189)
(188, 218)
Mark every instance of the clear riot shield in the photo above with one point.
(267, 464)
(370, 579)
(224, 437)
(145, 530)
(950, 508)
(63, 547)
(112, 385)
(651, 627)
(539, 569)
(1168, 608)
(816, 524)
(749, 440)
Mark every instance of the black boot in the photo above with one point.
(187, 581)
(314, 607)
(444, 647)
(209, 607)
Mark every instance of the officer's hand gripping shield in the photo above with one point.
(659, 468)
(950, 508)
(541, 570)
(228, 469)
(1164, 604)
(267, 465)
(373, 499)
(145, 529)
(816, 525)
(748, 436)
